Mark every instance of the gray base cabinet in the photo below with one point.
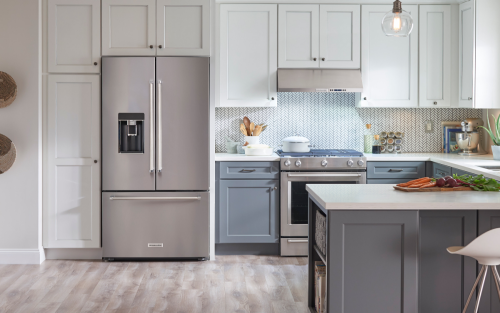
(393, 172)
(441, 273)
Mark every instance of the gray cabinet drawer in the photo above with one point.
(294, 246)
(439, 170)
(406, 170)
(392, 181)
(249, 170)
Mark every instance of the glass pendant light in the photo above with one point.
(397, 23)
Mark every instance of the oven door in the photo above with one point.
(294, 196)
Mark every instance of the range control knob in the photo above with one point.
(350, 163)
(287, 163)
(361, 162)
(298, 163)
(324, 163)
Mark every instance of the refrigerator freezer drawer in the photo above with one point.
(155, 224)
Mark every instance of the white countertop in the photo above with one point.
(469, 164)
(385, 197)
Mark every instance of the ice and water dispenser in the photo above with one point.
(131, 132)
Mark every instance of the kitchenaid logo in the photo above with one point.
(155, 245)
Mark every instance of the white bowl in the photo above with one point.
(259, 152)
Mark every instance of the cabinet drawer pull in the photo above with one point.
(397, 170)
(246, 171)
(297, 241)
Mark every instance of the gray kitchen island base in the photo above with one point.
(395, 260)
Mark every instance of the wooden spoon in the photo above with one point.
(258, 130)
(252, 128)
(243, 130)
(246, 121)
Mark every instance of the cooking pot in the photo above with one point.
(296, 144)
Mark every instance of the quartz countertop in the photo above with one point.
(231, 157)
(385, 197)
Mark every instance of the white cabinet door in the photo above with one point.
(248, 55)
(435, 56)
(340, 36)
(72, 217)
(389, 65)
(466, 55)
(128, 27)
(183, 27)
(298, 36)
(74, 36)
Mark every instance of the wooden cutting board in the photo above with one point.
(432, 189)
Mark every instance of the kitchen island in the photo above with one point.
(385, 250)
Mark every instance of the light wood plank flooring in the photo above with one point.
(259, 284)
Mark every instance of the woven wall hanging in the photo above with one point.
(8, 89)
(7, 154)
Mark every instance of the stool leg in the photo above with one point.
(480, 292)
(473, 288)
(497, 279)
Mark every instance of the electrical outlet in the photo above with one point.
(429, 127)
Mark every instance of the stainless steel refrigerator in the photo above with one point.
(155, 157)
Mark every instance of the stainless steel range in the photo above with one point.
(315, 167)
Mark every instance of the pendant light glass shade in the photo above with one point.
(397, 23)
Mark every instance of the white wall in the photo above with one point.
(19, 197)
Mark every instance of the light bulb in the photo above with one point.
(396, 23)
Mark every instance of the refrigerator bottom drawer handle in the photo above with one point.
(297, 241)
(154, 198)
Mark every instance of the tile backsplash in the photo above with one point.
(331, 120)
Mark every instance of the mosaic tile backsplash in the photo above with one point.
(331, 120)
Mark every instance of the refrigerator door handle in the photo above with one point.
(153, 198)
(160, 131)
(151, 128)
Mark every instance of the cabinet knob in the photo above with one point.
(160, 46)
(314, 59)
(150, 46)
(364, 98)
(435, 102)
(322, 59)
(275, 188)
(470, 98)
(95, 63)
(95, 161)
(272, 98)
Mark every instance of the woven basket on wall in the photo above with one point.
(8, 89)
(7, 154)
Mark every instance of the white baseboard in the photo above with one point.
(20, 256)
(73, 254)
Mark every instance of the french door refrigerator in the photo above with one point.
(155, 157)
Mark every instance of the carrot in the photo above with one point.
(428, 185)
(416, 185)
(420, 182)
(413, 182)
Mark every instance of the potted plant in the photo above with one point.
(495, 137)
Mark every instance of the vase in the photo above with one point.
(496, 152)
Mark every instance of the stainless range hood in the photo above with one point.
(309, 80)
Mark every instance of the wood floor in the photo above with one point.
(259, 284)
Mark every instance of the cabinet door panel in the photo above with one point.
(128, 27)
(183, 27)
(72, 217)
(445, 279)
(248, 55)
(435, 60)
(74, 42)
(466, 55)
(298, 35)
(389, 64)
(340, 36)
(248, 211)
(488, 220)
(439, 170)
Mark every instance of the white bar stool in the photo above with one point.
(486, 250)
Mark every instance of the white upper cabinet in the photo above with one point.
(340, 36)
(466, 54)
(319, 36)
(248, 55)
(183, 27)
(389, 65)
(128, 27)
(74, 41)
(298, 36)
(435, 56)
(73, 214)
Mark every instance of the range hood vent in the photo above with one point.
(309, 80)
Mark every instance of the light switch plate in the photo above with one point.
(429, 126)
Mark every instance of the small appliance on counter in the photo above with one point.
(468, 139)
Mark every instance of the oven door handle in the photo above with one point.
(323, 175)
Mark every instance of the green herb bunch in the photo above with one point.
(478, 183)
